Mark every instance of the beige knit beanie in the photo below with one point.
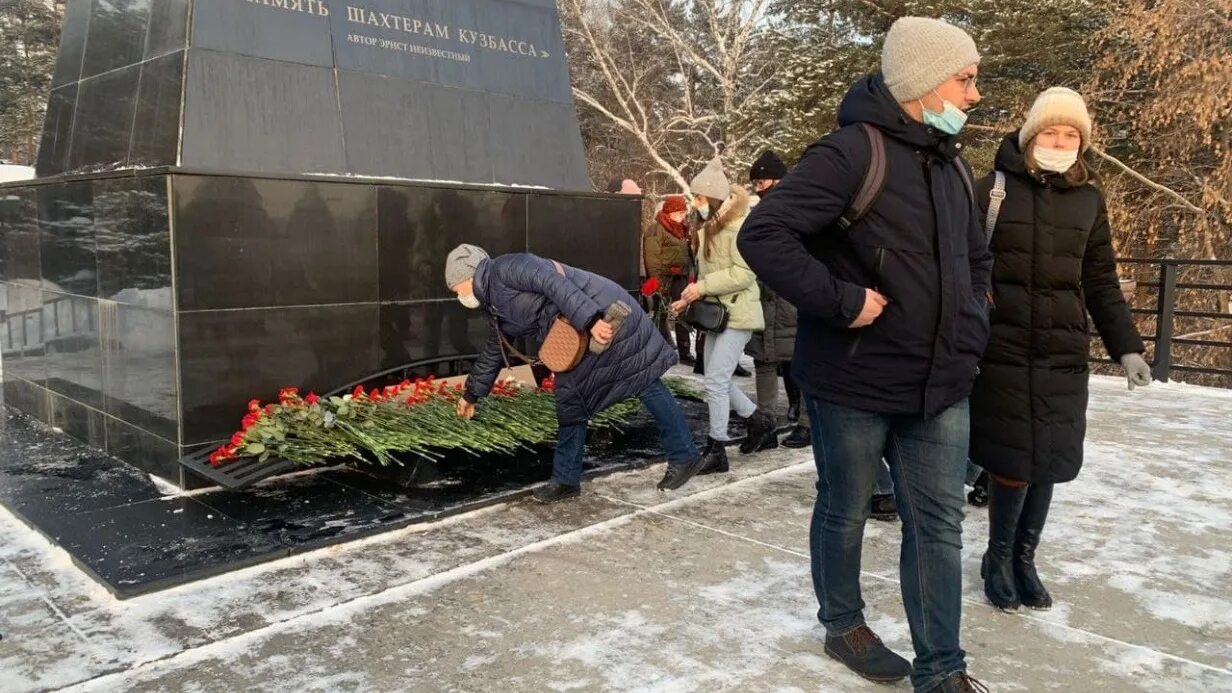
(712, 182)
(920, 54)
(1056, 106)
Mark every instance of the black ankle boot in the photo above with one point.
(762, 433)
(798, 438)
(1030, 526)
(1004, 509)
(979, 491)
(715, 458)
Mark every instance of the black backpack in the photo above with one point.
(875, 178)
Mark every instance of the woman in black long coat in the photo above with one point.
(1054, 264)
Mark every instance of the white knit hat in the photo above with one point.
(712, 182)
(1056, 106)
(920, 54)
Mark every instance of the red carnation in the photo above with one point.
(237, 439)
(254, 405)
(312, 398)
(650, 287)
(358, 392)
(287, 393)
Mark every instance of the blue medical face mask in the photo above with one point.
(950, 121)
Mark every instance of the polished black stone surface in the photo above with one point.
(229, 357)
(475, 91)
(57, 131)
(114, 523)
(262, 31)
(419, 226)
(411, 332)
(597, 234)
(156, 121)
(67, 245)
(140, 365)
(132, 227)
(235, 121)
(168, 30)
(116, 36)
(245, 243)
(103, 123)
(72, 43)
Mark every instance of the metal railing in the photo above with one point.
(1167, 285)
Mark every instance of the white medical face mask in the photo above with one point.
(1056, 160)
(469, 301)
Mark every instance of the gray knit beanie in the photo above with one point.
(712, 182)
(920, 54)
(462, 263)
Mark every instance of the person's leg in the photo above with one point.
(847, 448)
(1005, 501)
(885, 482)
(723, 351)
(674, 433)
(973, 472)
(1031, 591)
(567, 461)
(699, 348)
(793, 396)
(767, 384)
(928, 460)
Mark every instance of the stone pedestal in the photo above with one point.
(178, 257)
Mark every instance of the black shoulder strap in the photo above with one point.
(874, 179)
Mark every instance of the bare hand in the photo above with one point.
(466, 409)
(874, 304)
(602, 332)
(680, 306)
(690, 293)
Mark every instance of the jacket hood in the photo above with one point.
(869, 101)
(735, 207)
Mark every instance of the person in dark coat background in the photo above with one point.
(523, 294)
(1053, 265)
(772, 348)
(892, 316)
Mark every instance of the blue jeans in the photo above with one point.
(723, 352)
(928, 459)
(674, 436)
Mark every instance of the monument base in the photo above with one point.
(142, 310)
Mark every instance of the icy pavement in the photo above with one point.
(703, 590)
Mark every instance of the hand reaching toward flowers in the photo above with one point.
(466, 409)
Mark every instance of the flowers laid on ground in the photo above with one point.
(411, 417)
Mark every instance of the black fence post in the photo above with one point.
(1163, 324)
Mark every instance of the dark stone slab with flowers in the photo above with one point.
(175, 260)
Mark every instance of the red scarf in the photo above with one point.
(676, 228)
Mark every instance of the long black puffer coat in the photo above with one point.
(524, 293)
(777, 342)
(1053, 263)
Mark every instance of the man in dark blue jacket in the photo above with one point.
(892, 322)
(523, 295)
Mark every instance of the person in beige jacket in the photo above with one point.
(725, 277)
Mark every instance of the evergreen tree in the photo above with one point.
(29, 35)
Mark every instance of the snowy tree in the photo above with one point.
(29, 34)
(667, 81)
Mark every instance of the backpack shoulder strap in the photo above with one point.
(965, 174)
(995, 197)
(873, 182)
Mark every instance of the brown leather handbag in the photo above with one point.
(564, 346)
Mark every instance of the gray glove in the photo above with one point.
(1136, 370)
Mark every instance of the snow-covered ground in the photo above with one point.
(703, 590)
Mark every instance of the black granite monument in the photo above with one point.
(241, 195)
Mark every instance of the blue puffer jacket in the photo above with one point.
(922, 245)
(524, 293)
